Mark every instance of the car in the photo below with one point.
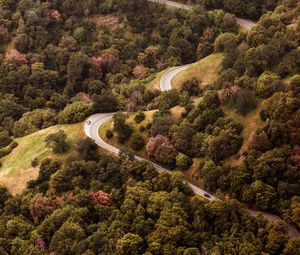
(206, 195)
(88, 122)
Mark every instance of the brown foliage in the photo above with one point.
(99, 198)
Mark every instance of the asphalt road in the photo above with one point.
(247, 24)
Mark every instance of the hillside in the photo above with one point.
(205, 71)
(16, 169)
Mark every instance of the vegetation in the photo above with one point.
(233, 117)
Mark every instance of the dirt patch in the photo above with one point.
(16, 183)
(109, 21)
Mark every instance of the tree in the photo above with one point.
(168, 99)
(259, 141)
(130, 244)
(166, 154)
(139, 117)
(183, 161)
(153, 144)
(57, 142)
(137, 142)
(191, 86)
(105, 102)
(34, 121)
(263, 195)
(76, 72)
(75, 112)
(68, 239)
(225, 42)
(100, 198)
(5, 139)
(268, 83)
(124, 130)
(87, 149)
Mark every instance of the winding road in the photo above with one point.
(93, 123)
(245, 23)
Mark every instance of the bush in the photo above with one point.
(139, 117)
(142, 128)
(57, 142)
(225, 41)
(8, 149)
(87, 149)
(34, 162)
(137, 142)
(123, 130)
(5, 139)
(109, 134)
(268, 83)
(75, 112)
(191, 86)
(33, 121)
(183, 161)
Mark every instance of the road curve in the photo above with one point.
(91, 129)
(247, 24)
(166, 79)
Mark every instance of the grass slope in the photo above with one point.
(205, 70)
(16, 169)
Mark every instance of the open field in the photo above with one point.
(205, 70)
(16, 169)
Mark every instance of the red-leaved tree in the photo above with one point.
(154, 142)
(99, 198)
(16, 55)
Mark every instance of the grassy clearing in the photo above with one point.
(205, 70)
(251, 121)
(16, 168)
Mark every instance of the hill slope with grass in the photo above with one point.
(205, 70)
(16, 169)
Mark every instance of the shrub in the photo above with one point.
(8, 149)
(268, 83)
(109, 134)
(183, 161)
(57, 142)
(34, 162)
(137, 142)
(87, 149)
(75, 112)
(139, 117)
(5, 139)
(191, 86)
(34, 121)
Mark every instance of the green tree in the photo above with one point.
(183, 162)
(137, 142)
(75, 112)
(57, 142)
(130, 244)
(121, 127)
(87, 149)
(268, 83)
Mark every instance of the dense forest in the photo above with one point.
(62, 61)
